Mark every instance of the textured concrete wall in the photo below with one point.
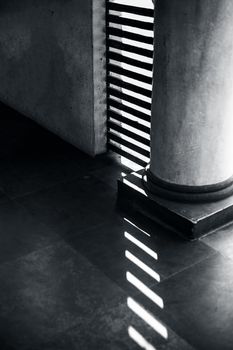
(47, 66)
(192, 124)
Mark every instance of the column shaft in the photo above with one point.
(192, 113)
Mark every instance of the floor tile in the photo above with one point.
(105, 247)
(221, 240)
(22, 176)
(20, 233)
(26, 173)
(3, 197)
(198, 303)
(49, 291)
(80, 205)
(110, 330)
(4, 345)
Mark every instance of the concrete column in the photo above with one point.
(192, 113)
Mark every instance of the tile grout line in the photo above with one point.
(215, 252)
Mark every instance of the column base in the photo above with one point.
(191, 220)
(183, 193)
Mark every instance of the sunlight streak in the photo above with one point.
(144, 289)
(142, 266)
(139, 339)
(127, 182)
(141, 245)
(137, 175)
(130, 164)
(137, 227)
(147, 317)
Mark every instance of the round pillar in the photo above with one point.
(192, 109)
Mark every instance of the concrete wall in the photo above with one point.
(49, 70)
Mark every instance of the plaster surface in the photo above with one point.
(47, 67)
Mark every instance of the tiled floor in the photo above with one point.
(75, 274)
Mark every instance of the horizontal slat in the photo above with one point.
(129, 48)
(127, 121)
(115, 128)
(129, 35)
(128, 144)
(129, 110)
(128, 73)
(130, 22)
(127, 155)
(131, 99)
(128, 133)
(128, 86)
(131, 9)
(124, 59)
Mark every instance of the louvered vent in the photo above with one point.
(130, 32)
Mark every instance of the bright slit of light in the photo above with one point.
(140, 109)
(130, 151)
(131, 165)
(131, 105)
(131, 68)
(135, 187)
(131, 117)
(131, 93)
(134, 153)
(136, 95)
(141, 245)
(142, 266)
(139, 339)
(131, 128)
(144, 289)
(146, 32)
(137, 70)
(137, 44)
(142, 18)
(127, 138)
(139, 3)
(131, 223)
(137, 175)
(135, 30)
(131, 81)
(132, 55)
(132, 42)
(132, 16)
(147, 317)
